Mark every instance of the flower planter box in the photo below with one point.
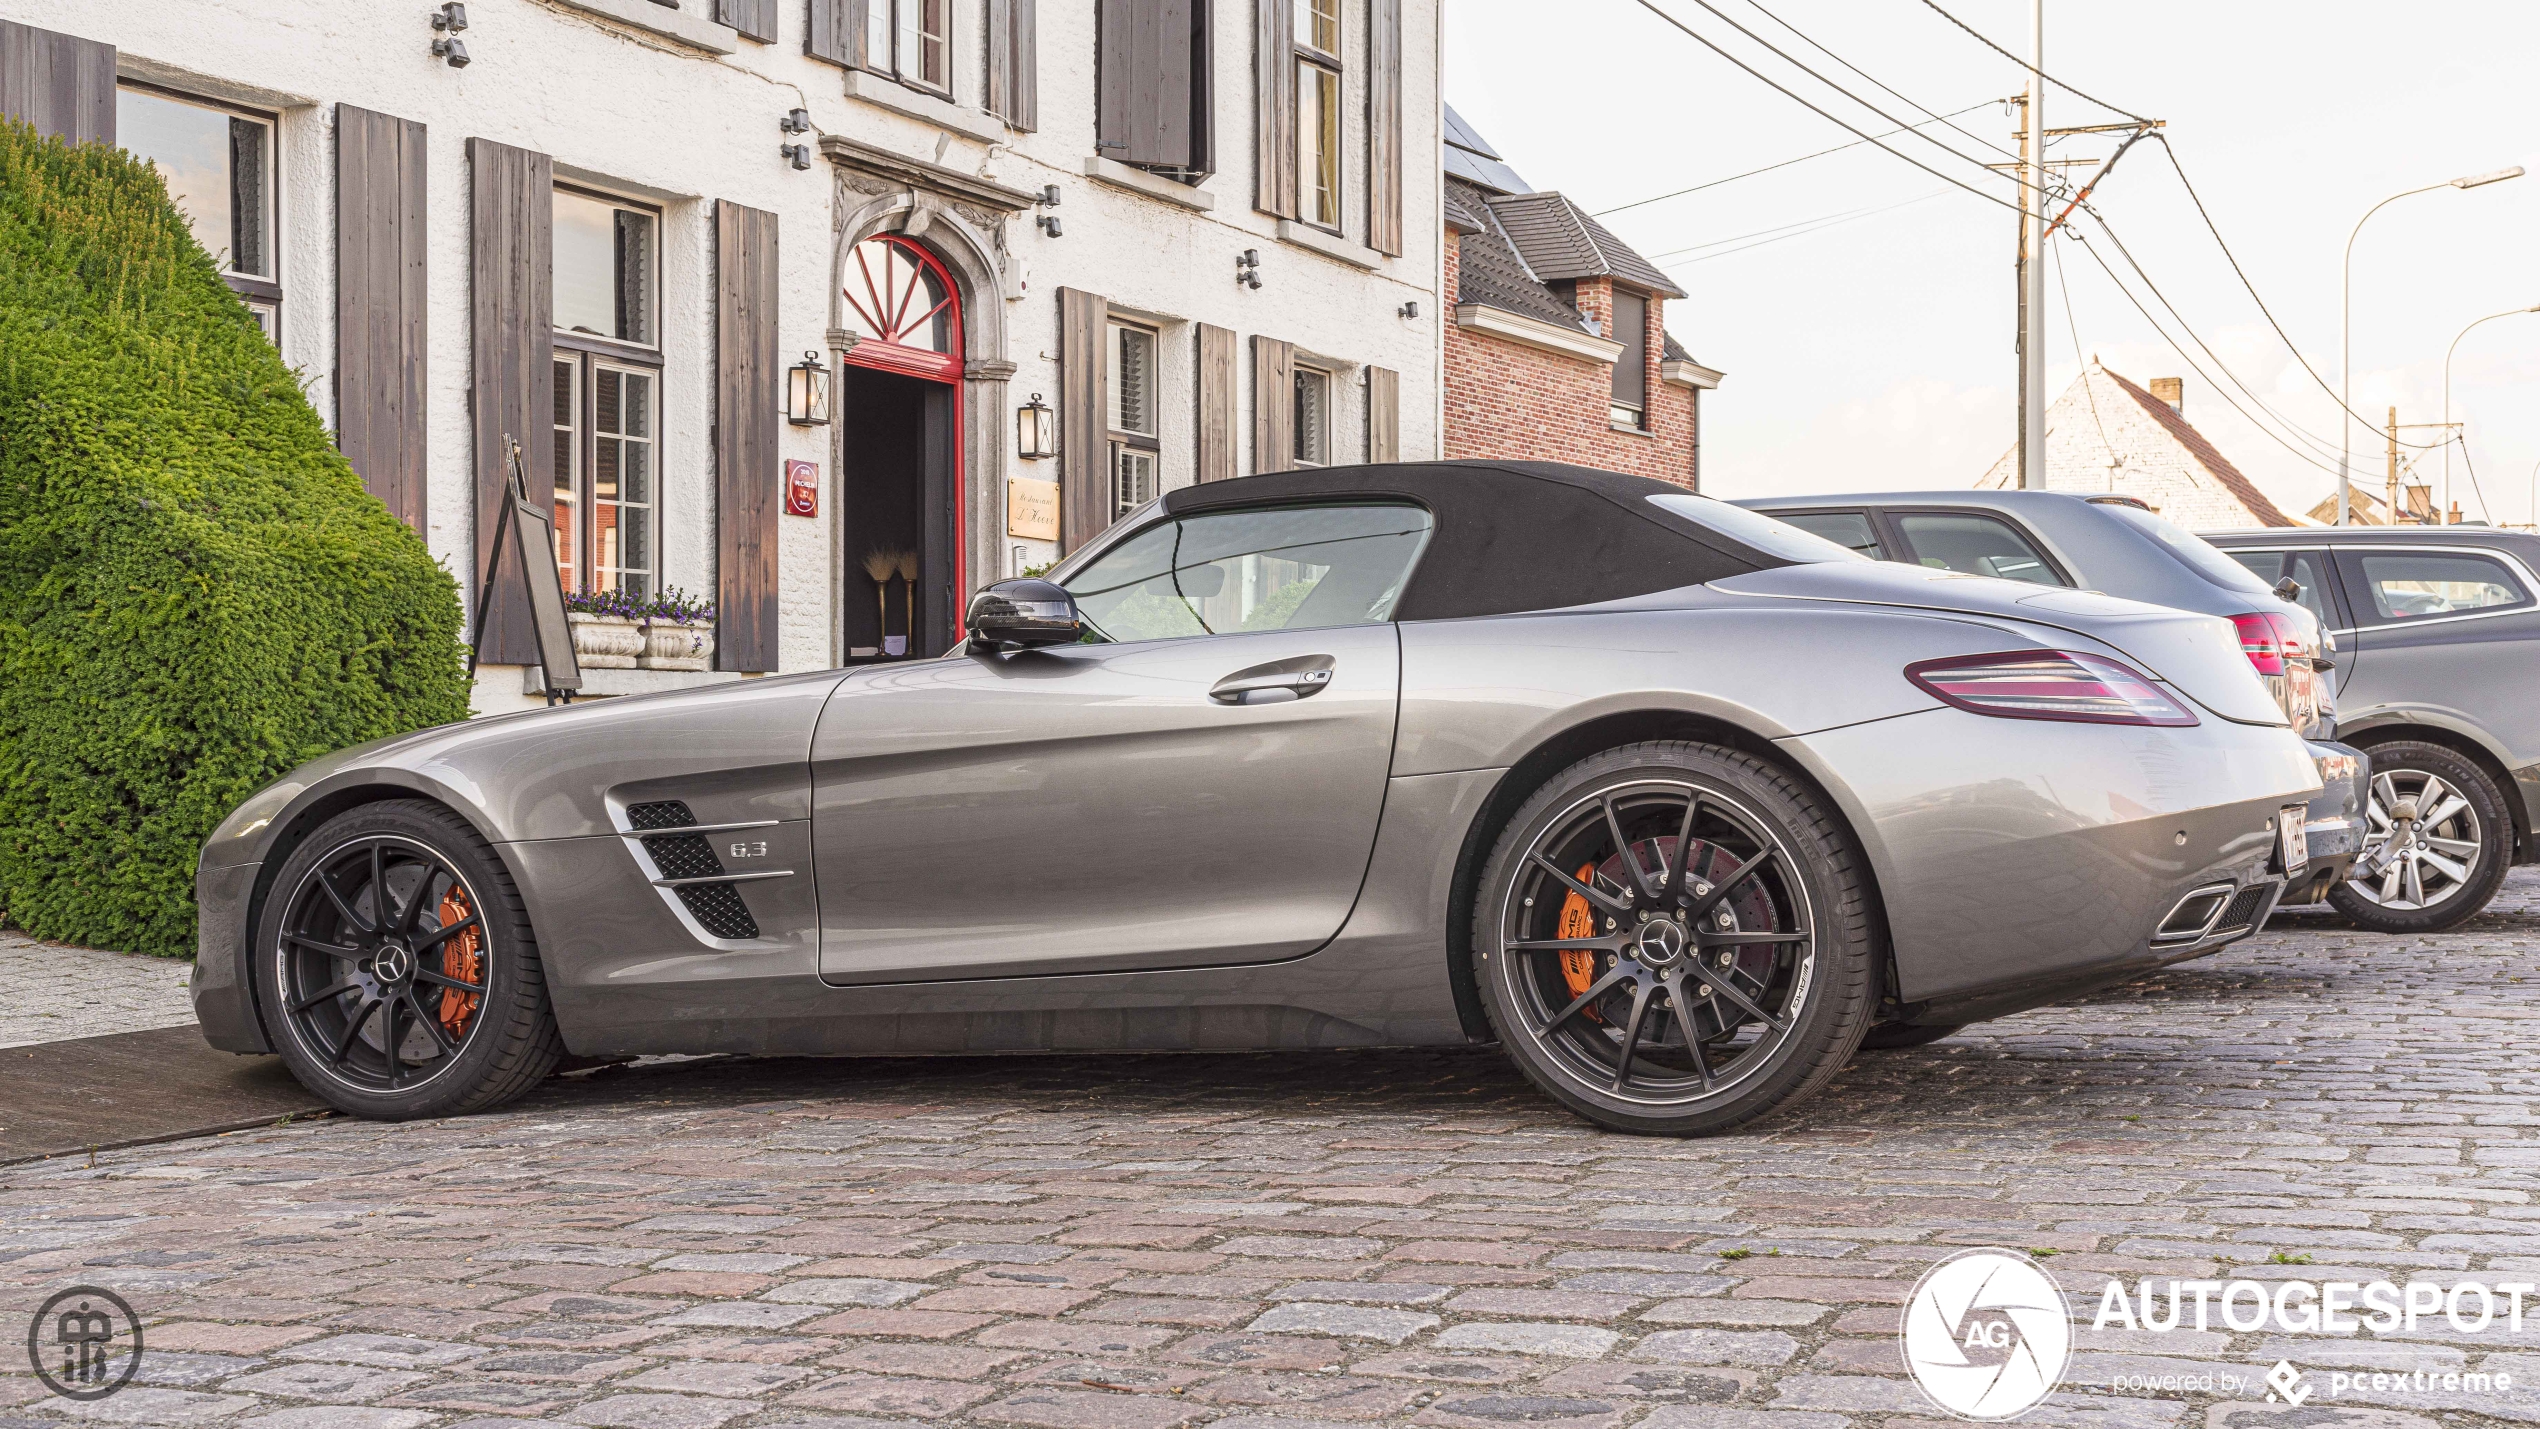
(605, 642)
(672, 646)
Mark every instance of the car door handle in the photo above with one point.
(1266, 684)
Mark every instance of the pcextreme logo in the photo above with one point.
(1986, 1334)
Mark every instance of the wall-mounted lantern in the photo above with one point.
(450, 19)
(1035, 429)
(807, 392)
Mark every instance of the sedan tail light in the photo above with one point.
(2277, 650)
(2048, 684)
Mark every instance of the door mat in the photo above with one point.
(129, 1088)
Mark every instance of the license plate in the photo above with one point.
(2292, 839)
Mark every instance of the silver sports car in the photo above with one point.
(1679, 804)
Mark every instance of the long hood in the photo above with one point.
(2199, 655)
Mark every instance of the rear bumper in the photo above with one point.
(2335, 821)
(2020, 861)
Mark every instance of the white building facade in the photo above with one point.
(1183, 227)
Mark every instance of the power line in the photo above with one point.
(2463, 439)
(1784, 164)
(1706, 43)
(2234, 261)
(1823, 218)
(1811, 41)
(2070, 325)
(1820, 226)
(2155, 324)
(2032, 69)
(1794, 62)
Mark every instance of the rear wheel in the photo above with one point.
(1675, 938)
(396, 970)
(2436, 842)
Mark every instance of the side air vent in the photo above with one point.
(718, 909)
(667, 814)
(683, 855)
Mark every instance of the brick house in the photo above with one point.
(1557, 348)
(2106, 434)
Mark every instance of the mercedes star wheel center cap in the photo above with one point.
(395, 963)
(1662, 941)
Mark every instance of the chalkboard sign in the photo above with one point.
(530, 538)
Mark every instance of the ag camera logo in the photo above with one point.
(1987, 1334)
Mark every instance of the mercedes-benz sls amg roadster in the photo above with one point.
(1680, 805)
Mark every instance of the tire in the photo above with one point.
(2417, 875)
(1775, 886)
(450, 980)
(1896, 1036)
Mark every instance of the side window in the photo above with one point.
(1281, 568)
(2400, 586)
(2267, 566)
(2309, 570)
(1977, 545)
(1848, 529)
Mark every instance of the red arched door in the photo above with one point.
(899, 456)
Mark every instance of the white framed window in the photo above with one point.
(1318, 112)
(1313, 416)
(1129, 384)
(911, 40)
(608, 380)
(1629, 408)
(220, 165)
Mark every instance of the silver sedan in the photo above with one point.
(1680, 805)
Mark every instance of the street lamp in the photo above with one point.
(2447, 398)
(2345, 338)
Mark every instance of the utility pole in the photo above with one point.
(2033, 258)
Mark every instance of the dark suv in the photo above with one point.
(2438, 631)
(2116, 545)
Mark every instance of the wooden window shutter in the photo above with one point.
(1274, 106)
(1084, 446)
(1273, 405)
(511, 359)
(1014, 86)
(1384, 125)
(749, 404)
(61, 84)
(1216, 404)
(1384, 414)
(380, 306)
(754, 18)
(1143, 81)
(834, 31)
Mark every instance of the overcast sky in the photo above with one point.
(1875, 352)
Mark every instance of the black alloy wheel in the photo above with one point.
(1673, 938)
(2437, 839)
(396, 972)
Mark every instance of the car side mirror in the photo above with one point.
(2289, 591)
(1022, 614)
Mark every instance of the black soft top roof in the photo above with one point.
(1514, 536)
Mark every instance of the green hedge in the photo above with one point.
(196, 594)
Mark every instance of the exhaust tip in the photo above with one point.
(2194, 914)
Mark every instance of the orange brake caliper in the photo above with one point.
(1578, 920)
(463, 961)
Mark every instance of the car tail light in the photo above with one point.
(2277, 650)
(2048, 684)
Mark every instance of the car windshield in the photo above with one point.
(2199, 554)
(1754, 528)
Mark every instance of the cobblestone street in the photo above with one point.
(1349, 1238)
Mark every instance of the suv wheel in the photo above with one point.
(1675, 939)
(2436, 842)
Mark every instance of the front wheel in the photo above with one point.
(1675, 939)
(2436, 842)
(395, 969)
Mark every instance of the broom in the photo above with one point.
(907, 566)
(879, 566)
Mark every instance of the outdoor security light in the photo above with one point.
(807, 392)
(1033, 429)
